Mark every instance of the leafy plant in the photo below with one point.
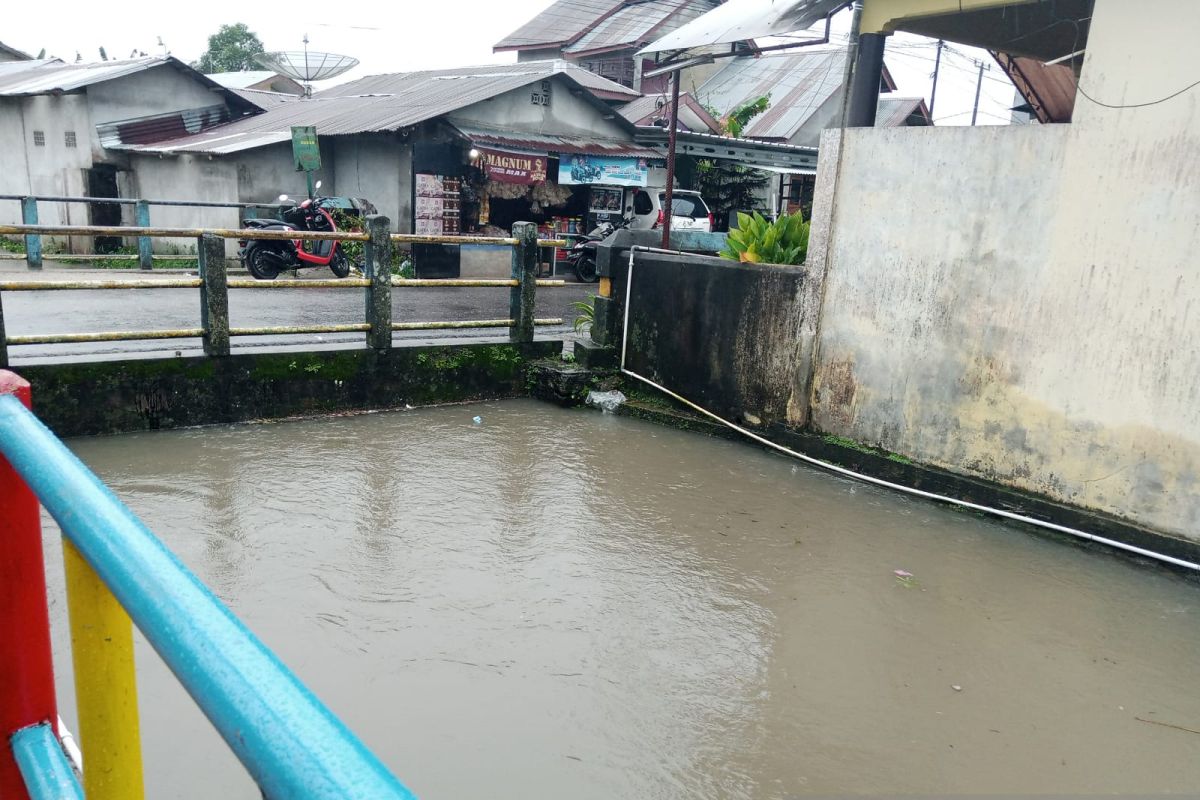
(757, 241)
(587, 315)
(231, 49)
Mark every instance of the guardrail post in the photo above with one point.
(33, 241)
(214, 295)
(26, 666)
(141, 211)
(378, 267)
(105, 683)
(524, 271)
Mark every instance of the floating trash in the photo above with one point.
(477, 420)
(607, 402)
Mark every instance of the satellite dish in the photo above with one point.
(307, 66)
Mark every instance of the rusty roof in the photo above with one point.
(559, 24)
(1049, 89)
(381, 103)
(543, 143)
(645, 110)
(634, 25)
(797, 83)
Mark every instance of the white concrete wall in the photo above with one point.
(379, 169)
(1023, 303)
(186, 177)
(567, 113)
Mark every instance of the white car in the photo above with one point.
(689, 211)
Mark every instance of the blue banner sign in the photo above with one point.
(608, 170)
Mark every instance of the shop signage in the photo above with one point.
(304, 148)
(607, 170)
(506, 167)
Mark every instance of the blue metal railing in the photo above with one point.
(43, 765)
(291, 744)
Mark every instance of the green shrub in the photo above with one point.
(757, 241)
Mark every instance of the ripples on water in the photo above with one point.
(563, 604)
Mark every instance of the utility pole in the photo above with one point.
(937, 63)
(978, 86)
(669, 200)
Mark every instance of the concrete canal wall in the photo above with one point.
(123, 396)
(1015, 304)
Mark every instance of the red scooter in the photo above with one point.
(266, 258)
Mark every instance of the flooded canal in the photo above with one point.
(567, 605)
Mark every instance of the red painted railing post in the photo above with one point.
(26, 666)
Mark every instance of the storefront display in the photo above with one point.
(607, 170)
(438, 208)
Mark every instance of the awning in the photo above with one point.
(548, 143)
(740, 20)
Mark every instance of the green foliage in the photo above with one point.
(736, 121)
(231, 49)
(727, 186)
(587, 315)
(757, 241)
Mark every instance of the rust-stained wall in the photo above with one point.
(1023, 303)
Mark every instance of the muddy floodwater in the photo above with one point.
(561, 604)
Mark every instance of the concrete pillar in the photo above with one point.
(33, 241)
(864, 83)
(141, 210)
(521, 297)
(214, 295)
(378, 268)
(3, 338)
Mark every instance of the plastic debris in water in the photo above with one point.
(477, 420)
(956, 687)
(902, 573)
(607, 402)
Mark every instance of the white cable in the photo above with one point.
(941, 498)
(70, 746)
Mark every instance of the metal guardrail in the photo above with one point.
(144, 232)
(214, 285)
(146, 257)
(118, 571)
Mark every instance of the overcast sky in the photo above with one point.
(405, 35)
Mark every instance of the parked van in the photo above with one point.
(690, 212)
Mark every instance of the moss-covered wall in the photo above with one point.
(120, 396)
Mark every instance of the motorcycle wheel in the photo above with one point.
(339, 265)
(585, 270)
(259, 265)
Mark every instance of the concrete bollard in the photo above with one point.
(522, 297)
(378, 267)
(214, 295)
(33, 241)
(141, 212)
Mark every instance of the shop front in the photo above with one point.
(566, 187)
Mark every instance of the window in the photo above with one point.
(684, 206)
(69, 138)
(39, 138)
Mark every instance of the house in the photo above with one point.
(258, 80)
(1019, 303)
(653, 109)
(57, 121)
(604, 37)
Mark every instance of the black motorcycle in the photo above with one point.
(266, 258)
(582, 256)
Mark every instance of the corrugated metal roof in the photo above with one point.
(558, 24)
(14, 52)
(797, 83)
(636, 24)
(1049, 89)
(894, 112)
(264, 99)
(645, 110)
(53, 76)
(542, 143)
(383, 103)
(161, 127)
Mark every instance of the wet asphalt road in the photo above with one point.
(82, 311)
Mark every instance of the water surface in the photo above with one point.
(562, 604)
